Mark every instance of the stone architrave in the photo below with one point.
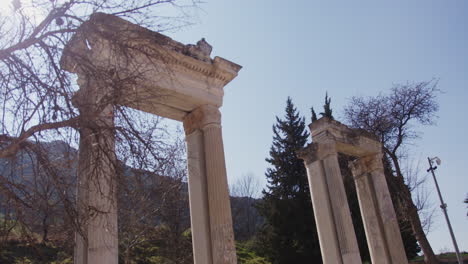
(131, 66)
(383, 234)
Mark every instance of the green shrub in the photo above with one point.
(245, 254)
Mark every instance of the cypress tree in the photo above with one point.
(314, 115)
(289, 234)
(327, 111)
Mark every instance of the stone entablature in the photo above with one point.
(352, 142)
(173, 78)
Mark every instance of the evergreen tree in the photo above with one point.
(327, 111)
(314, 115)
(289, 234)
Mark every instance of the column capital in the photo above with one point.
(316, 151)
(366, 164)
(201, 118)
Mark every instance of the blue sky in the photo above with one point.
(304, 48)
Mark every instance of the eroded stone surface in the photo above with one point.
(336, 233)
(207, 167)
(120, 63)
(201, 117)
(154, 73)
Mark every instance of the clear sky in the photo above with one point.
(304, 48)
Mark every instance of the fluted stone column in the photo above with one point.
(370, 214)
(323, 211)
(338, 242)
(378, 214)
(210, 210)
(197, 184)
(96, 193)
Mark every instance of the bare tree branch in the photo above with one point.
(392, 117)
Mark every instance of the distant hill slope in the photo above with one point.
(26, 177)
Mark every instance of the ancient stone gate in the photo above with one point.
(166, 78)
(334, 224)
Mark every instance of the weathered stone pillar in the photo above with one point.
(199, 216)
(338, 242)
(380, 222)
(80, 254)
(96, 194)
(369, 210)
(210, 210)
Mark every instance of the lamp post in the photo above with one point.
(444, 206)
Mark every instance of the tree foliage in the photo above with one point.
(327, 111)
(313, 114)
(289, 234)
(246, 255)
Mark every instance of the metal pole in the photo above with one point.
(444, 209)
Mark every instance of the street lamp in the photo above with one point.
(444, 205)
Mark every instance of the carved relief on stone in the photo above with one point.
(201, 51)
(201, 117)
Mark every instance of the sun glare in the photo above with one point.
(5, 7)
(29, 8)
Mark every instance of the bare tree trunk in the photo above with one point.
(45, 229)
(127, 256)
(429, 256)
(411, 213)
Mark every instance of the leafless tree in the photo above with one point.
(244, 193)
(35, 92)
(417, 183)
(246, 186)
(392, 117)
(39, 103)
(156, 207)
